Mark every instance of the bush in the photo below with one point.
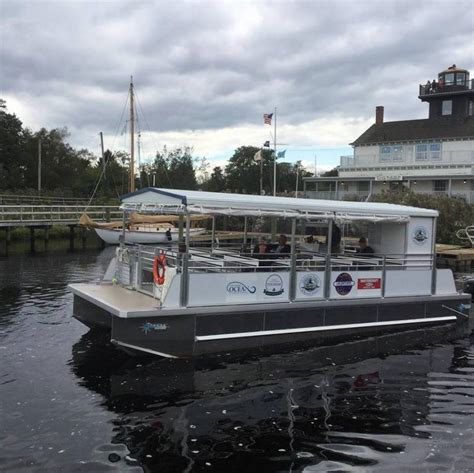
(454, 212)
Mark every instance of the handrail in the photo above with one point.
(203, 260)
(15, 214)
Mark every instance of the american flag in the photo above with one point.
(267, 118)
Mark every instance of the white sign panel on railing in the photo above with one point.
(238, 288)
(309, 285)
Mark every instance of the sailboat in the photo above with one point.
(141, 229)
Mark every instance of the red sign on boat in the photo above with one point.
(368, 283)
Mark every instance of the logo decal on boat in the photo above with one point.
(148, 327)
(237, 287)
(310, 284)
(420, 235)
(273, 285)
(369, 283)
(462, 307)
(343, 284)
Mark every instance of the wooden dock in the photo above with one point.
(455, 255)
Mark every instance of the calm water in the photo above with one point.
(71, 402)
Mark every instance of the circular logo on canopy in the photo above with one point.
(310, 284)
(420, 235)
(343, 284)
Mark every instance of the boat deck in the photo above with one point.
(118, 300)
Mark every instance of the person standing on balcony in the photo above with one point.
(434, 86)
(428, 87)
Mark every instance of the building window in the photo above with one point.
(421, 152)
(449, 79)
(440, 186)
(471, 107)
(397, 153)
(435, 151)
(460, 78)
(391, 153)
(363, 186)
(447, 107)
(385, 154)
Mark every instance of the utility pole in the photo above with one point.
(132, 138)
(39, 166)
(315, 161)
(297, 174)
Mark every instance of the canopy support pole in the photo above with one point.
(213, 232)
(180, 228)
(244, 244)
(184, 289)
(327, 272)
(433, 257)
(292, 288)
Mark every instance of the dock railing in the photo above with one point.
(27, 215)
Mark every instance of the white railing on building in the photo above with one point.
(468, 196)
(461, 157)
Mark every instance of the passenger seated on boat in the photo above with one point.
(283, 250)
(260, 248)
(310, 243)
(364, 247)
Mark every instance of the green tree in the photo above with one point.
(174, 169)
(243, 172)
(454, 213)
(217, 181)
(12, 156)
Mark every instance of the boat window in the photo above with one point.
(447, 107)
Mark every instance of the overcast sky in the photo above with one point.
(205, 72)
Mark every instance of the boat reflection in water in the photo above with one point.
(388, 402)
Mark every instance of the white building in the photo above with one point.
(434, 155)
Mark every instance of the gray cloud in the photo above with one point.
(207, 65)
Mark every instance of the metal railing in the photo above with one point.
(448, 88)
(406, 161)
(40, 199)
(18, 215)
(140, 263)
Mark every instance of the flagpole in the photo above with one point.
(275, 158)
(261, 175)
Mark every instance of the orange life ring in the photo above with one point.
(159, 269)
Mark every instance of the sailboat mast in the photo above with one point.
(132, 138)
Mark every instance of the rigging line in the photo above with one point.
(117, 128)
(97, 186)
(142, 112)
(112, 147)
(149, 130)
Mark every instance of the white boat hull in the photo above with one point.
(112, 236)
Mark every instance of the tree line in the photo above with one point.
(70, 172)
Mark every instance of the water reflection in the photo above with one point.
(371, 402)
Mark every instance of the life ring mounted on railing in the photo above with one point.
(159, 269)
